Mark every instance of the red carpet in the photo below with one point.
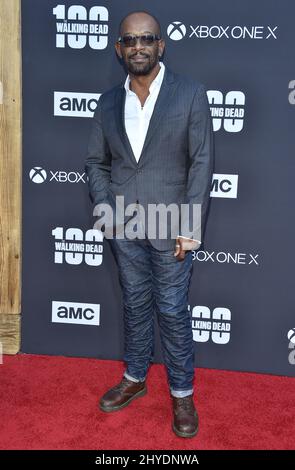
(51, 403)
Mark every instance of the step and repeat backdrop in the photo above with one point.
(242, 289)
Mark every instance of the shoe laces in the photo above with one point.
(185, 403)
(122, 385)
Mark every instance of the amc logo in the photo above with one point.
(224, 186)
(75, 104)
(77, 313)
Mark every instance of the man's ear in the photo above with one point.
(118, 49)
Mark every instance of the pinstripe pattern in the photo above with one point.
(176, 162)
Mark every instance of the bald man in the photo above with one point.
(151, 142)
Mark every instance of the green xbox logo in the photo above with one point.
(176, 30)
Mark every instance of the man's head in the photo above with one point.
(140, 55)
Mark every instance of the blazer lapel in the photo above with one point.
(166, 93)
(120, 119)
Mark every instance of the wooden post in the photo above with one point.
(10, 175)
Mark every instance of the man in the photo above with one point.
(151, 142)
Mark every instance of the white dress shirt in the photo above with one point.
(137, 117)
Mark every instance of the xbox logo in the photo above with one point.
(291, 335)
(38, 175)
(176, 30)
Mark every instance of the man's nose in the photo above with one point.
(138, 44)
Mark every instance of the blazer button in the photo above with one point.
(139, 171)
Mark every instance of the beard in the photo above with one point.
(141, 68)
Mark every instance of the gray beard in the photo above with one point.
(139, 70)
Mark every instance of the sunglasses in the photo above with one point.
(145, 40)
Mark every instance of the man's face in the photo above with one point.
(140, 59)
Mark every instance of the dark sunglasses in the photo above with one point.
(145, 40)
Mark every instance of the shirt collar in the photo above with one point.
(156, 83)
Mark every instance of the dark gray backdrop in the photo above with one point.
(242, 291)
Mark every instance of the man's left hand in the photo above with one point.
(184, 244)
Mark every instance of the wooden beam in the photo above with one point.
(9, 334)
(10, 171)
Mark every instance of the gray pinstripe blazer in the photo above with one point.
(176, 162)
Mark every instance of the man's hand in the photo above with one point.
(184, 244)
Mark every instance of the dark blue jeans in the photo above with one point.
(153, 280)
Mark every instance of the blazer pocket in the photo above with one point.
(121, 183)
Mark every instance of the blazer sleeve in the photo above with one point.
(98, 160)
(200, 149)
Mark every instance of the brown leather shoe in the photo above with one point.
(121, 395)
(185, 422)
